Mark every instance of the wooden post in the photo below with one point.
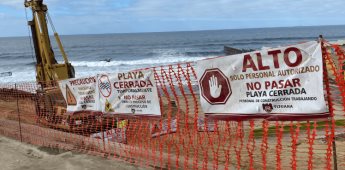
(102, 133)
(18, 113)
(335, 161)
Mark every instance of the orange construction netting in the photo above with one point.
(183, 138)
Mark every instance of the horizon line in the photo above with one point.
(176, 31)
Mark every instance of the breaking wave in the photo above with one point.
(148, 61)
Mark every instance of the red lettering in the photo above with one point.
(274, 85)
(83, 81)
(288, 84)
(274, 54)
(282, 84)
(248, 63)
(253, 86)
(119, 76)
(267, 84)
(296, 82)
(149, 83)
(298, 57)
(259, 59)
(142, 83)
(137, 84)
(116, 85)
(132, 84)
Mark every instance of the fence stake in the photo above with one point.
(102, 134)
(20, 127)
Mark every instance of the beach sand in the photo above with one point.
(20, 156)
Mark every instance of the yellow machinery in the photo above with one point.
(50, 104)
(47, 68)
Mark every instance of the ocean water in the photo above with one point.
(141, 50)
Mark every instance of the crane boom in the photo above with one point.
(48, 70)
(49, 100)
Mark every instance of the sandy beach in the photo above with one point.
(20, 156)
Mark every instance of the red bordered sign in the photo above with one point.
(104, 86)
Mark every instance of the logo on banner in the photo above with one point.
(108, 106)
(71, 100)
(267, 107)
(215, 86)
(104, 85)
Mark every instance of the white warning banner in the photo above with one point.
(133, 93)
(80, 93)
(280, 83)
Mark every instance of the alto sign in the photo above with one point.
(284, 83)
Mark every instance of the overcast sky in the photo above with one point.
(119, 16)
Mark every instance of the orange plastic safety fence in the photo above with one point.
(183, 138)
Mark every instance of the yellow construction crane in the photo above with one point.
(47, 68)
(50, 104)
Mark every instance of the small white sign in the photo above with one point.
(80, 93)
(133, 93)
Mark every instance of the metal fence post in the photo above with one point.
(18, 112)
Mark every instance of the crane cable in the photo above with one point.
(30, 37)
(51, 22)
